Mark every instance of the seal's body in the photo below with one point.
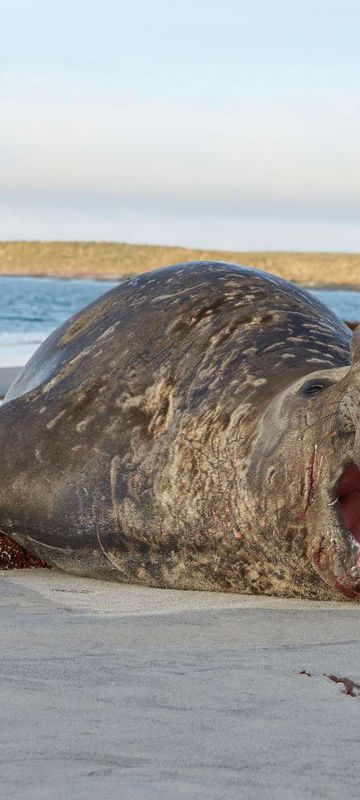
(190, 429)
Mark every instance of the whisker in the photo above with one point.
(329, 433)
(320, 419)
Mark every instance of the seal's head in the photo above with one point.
(312, 430)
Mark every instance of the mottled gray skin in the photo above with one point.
(160, 437)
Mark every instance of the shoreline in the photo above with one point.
(333, 287)
(111, 261)
(73, 277)
(7, 377)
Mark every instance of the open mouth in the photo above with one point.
(345, 544)
(337, 552)
(348, 494)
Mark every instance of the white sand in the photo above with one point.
(119, 599)
(7, 376)
(118, 691)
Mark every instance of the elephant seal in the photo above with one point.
(196, 427)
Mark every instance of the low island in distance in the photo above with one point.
(112, 260)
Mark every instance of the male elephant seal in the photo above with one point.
(196, 427)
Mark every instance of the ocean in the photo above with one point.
(30, 308)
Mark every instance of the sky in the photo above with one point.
(222, 124)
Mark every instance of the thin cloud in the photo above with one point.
(275, 161)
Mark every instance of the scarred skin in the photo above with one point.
(162, 437)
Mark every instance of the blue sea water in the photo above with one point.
(344, 302)
(30, 308)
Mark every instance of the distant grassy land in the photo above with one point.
(110, 260)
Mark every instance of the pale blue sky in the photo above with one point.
(222, 124)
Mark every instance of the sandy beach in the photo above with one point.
(117, 690)
(12, 360)
(7, 376)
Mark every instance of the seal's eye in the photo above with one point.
(310, 388)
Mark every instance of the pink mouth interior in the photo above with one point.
(349, 499)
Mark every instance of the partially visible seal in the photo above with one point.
(196, 427)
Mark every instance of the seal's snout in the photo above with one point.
(355, 347)
(348, 412)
